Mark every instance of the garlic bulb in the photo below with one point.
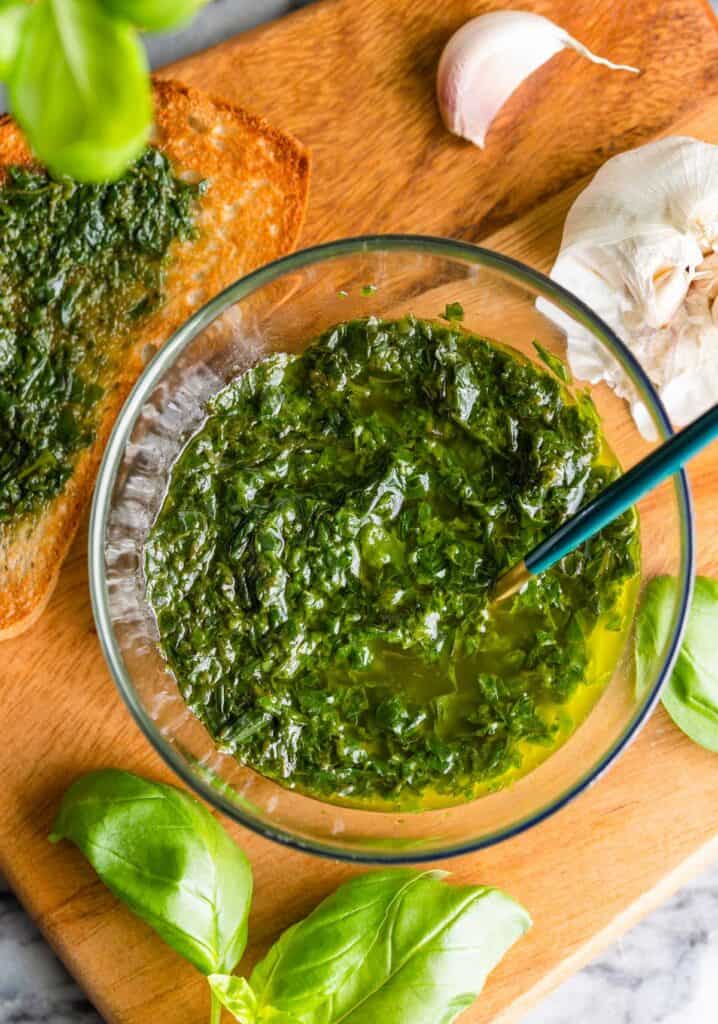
(640, 247)
(488, 58)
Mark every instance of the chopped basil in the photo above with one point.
(453, 311)
(321, 566)
(553, 362)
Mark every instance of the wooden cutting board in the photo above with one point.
(355, 82)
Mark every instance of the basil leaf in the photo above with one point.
(389, 946)
(154, 15)
(162, 853)
(553, 362)
(12, 17)
(80, 90)
(653, 624)
(691, 694)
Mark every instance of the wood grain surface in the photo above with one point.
(355, 82)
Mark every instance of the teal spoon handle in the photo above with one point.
(617, 497)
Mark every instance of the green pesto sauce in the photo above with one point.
(80, 266)
(321, 564)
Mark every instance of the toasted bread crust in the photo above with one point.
(251, 214)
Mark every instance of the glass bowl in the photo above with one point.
(281, 307)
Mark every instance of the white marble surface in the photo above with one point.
(665, 971)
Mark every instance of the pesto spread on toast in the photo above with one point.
(80, 267)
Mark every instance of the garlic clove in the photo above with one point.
(657, 269)
(488, 58)
(669, 286)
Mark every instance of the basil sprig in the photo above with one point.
(398, 946)
(78, 81)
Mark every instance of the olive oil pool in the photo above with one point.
(320, 568)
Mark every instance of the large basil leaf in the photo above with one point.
(388, 946)
(164, 854)
(154, 15)
(80, 90)
(691, 694)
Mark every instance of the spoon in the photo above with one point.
(609, 504)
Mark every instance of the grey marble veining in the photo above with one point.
(664, 971)
(34, 986)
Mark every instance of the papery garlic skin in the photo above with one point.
(639, 247)
(488, 58)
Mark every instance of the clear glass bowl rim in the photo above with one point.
(165, 357)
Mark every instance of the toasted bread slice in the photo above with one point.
(251, 213)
